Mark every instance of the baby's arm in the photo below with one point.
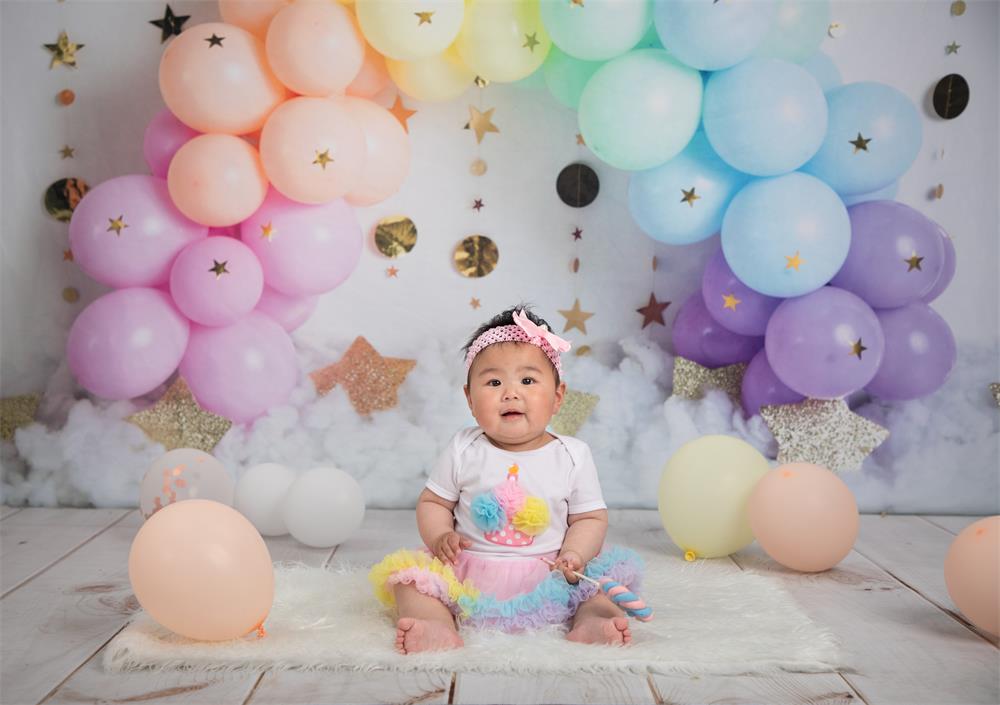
(436, 524)
(582, 542)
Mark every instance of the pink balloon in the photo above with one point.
(126, 343)
(373, 76)
(388, 148)
(215, 281)
(227, 231)
(164, 135)
(127, 231)
(304, 249)
(289, 312)
(242, 370)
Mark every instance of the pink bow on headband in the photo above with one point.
(539, 333)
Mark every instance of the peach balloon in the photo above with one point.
(803, 516)
(388, 149)
(437, 78)
(315, 48)
(201, 569)
(217, 180)
(252, 15)
(972, 573)
(214, 77)
(313, 149)
(372, 78)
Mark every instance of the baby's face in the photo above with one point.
(512, 393)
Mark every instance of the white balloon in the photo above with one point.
(324, 507)
(260, 494)
(184, 473)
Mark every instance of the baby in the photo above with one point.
(502, 496)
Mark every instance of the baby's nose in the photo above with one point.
(510, 393)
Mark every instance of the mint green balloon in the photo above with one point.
(798, 30)
(596, 30)
(641, 109)
(566, 76)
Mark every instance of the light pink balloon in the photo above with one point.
(241, 370)
(388, 146)
(164, 135)
(227, 231)
(304, 249)
(373, 76)
(126, 343)
(127, 231)
(215, 281)
(289, 312)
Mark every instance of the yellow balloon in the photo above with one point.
(503, 40)
(405, 30)
(437, 78)
(704, 492)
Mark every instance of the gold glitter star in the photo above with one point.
(66, 152)
(268, 231)
(794, 262)
(531, 41)
(63, 52)
(219, 268)
(824, 432)
(402, 113)
(914, 263)
(689, 197)
(575, 318)
(995, 391)
(579, 140)
(952, 48)
(391, 272)
(653, 311)
(574, 412)
(730, 301)
(857, 348)
(214, 40)
(860, 143)
(691, 380)
(17, 412)
(323, 158)
(425, 17)
(481, 122)
(67, 255)
(474, 303)
(177, 421)
(117, 224)
(371, 380)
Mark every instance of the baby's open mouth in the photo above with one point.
(511, 414)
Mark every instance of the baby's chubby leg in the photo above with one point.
(600, 621)
(425, 623)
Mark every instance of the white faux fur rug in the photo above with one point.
(706, 621)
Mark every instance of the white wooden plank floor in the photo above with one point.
(64, 594)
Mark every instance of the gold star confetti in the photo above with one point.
(995, 391)
(794, 262)
(653, 311)
(425, 17)
(481, 123)
(17, 412)
(67, 152)
(476, 256)
(579, 140)
(219, 268)
(857, 348)
(474, 303)
(268, 231)
(391, 272)
(481, 82)
(323, 158)
(952, 48)
(402, 113)
(958, 8)
(371, 380)
(689, 197)
(395, 235)
(67, 255)
(730, 301)
(177, 421)
(691, 380)
(531, 41)
(574, 412)
(214, 41)
(860, 143)
(824, 432)
(63, 52)
(477, 205)
(914, 263)
(575, 318)
(117, 224)
(71, 294)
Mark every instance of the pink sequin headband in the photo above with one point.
(523, 331)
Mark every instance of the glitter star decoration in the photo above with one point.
(580, 141)
(177, 421)
(481, 122)
(653, 311)
(66, 152)
(424, 17)
(17, 412)
(794, 262)
(392, 272)
(691, 380)
(323, 158)
(860, 143)
(402, 113)
(857, 348)
(170, 25)
(474, 302)
(914, 262)
(574, 412)
(117, 224)
(824, 432)
(575, 318)
(577, 234)
(952, 48)
(730, 301)
(219, 268)
(477, 205)
(268, 231)
(530, 42)
(214, 41)
(63, 52)
(689, 196)
(371, 380)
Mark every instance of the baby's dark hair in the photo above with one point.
(506, 318)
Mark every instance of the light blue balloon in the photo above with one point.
(799, 28)
(597, 30)
(883, 194)
(823, 70)
(566, 77)
(867, 111)
(712, 36)
(764, 116)
(641, 109)
(656, 197)
(786, 235)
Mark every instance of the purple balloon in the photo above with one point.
(126, 232)
(919, 353)
(896, 254)
(289, 312)
(733, 304)
(698, 337)
(126, 343)
(761, 387)
(216, 281)
(947, 272)
(242, 370)
(825, 344)
(164, 135)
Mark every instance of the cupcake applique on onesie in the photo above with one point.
(507, 516)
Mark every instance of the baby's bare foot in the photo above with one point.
(601, 630)
(413, 635)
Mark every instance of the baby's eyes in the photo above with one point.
(528, 380)
(494, 383)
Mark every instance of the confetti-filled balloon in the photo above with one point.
(182, 474)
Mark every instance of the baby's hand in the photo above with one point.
(449, 545)
(567, 562)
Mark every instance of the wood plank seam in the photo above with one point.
(451, 690)
(657, 697)
(936, 525)
(855, 690)
(82, 664)
(256, 684)
(19, 509)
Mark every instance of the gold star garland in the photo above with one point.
(574, 412)
(177, 421)
(17, 412)
(63, 52)
(691, 380)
